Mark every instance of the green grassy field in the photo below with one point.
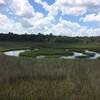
(23, 78)
(49, 52)
(58, 51)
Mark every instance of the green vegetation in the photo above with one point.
(56, 51)
(49, 79)
(48, 38)
(47, 52)
(27, 78)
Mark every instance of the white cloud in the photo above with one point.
(70, 7)
(22, 8)
(44, 4)
(42, 24)
(69, 28)
(91, 18)
(7, 25)
(72, 10)
(2, 2)
(65, 28)
(28, 20)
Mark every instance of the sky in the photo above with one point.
(60, 17)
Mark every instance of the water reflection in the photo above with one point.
(14, 53)
(94, 55)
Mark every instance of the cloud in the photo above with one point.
(75, 8)
(64, 27)
(69, 28)
(70, 7)
(2, 3)
(22, 8)
(23, 12)
(91, 18)
(24, 18)
(7, 25)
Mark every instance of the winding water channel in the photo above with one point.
(14, 52)
(74, 56)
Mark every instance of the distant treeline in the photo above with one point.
(47, 38)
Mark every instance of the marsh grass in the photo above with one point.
(47, 52)
(49, 79)
(26, 78)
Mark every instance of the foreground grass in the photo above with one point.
(49, 79)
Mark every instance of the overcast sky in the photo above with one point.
(60, 17)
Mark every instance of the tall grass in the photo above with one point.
(49, 79)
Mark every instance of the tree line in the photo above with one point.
(47, 38)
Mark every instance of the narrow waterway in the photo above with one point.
(14, 53)
(74, 56)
